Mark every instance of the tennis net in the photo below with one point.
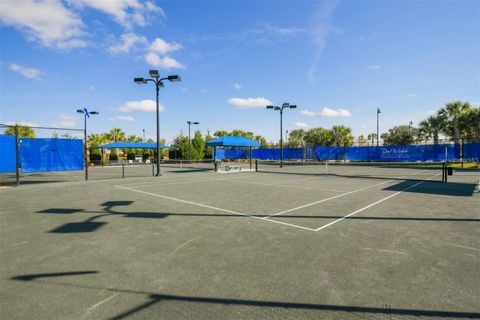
(432, 171)
(187, 164)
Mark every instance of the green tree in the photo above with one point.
(296, 138)
(198, 144)
(470, 121)
(362, 141)
(220, 133)
(342, 137)
(262, 140)
(372, 137)
(23, 132)
(318, 137)
(431, 128)
(115, 135)
(185, 148)
(451, 113)
(400, 136)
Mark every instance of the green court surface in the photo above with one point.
(277, 244)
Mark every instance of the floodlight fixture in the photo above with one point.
(155, 78)
(79, 111)
(285, 105)
(94, 112)
(196, 122)
(174, 78)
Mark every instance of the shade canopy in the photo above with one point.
(232, 141)
(132, 145)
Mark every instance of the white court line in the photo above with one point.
(211, 207)
(281, 185)
(373, 204)
(160, 183)
(327, 199)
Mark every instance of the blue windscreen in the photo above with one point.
(7, 153)
(471, 151)
(40, 154)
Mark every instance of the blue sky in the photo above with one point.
(337, 60)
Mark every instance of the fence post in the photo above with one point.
(17, 156)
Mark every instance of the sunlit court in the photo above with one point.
(200, 244)
(239, 160)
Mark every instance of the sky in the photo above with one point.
(338, 61)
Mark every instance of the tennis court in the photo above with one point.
(298, 242)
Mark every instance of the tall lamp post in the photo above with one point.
(284, 106)
(86, 114)
(189, 124)
(378, 112)
(155, 78)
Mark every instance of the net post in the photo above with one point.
(123, 170)
(17, 157)
(256, 165)
(153, 170)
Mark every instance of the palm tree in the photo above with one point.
(470, 121)
(23, 132)
(372, 137)
(431, 127)
(451, 113)
(342, 136)
(116, 135)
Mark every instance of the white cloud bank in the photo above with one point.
(29, 73)
(47, 22)
(327, 112)
(246, 103)
(64, 121)
(157, 54)
(142, 105)
(300, 125)
(122, 118)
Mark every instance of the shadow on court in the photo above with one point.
(454, 189)
(90, 225)
(343, 311)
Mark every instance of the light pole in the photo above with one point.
(378, 112)
(155, 78)
(284, 106)
(189, 124)
(86, 114)
(143, 130)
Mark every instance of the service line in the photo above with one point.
(211, 207)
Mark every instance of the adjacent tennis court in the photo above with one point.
(293, 243)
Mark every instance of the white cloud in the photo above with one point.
(409, 96)
(237, 86)
(64, 121)
(127, 42)
(373, 67)
(125, 12)
(327, 112)
(142, 105)
(29, 73)
(162, 62)
(47, 22)
(22, 123)
(249, 102)
(161, 46)
(309, 113)
(300, 125)
(184, 89)
(331, 113)
(122, 118)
